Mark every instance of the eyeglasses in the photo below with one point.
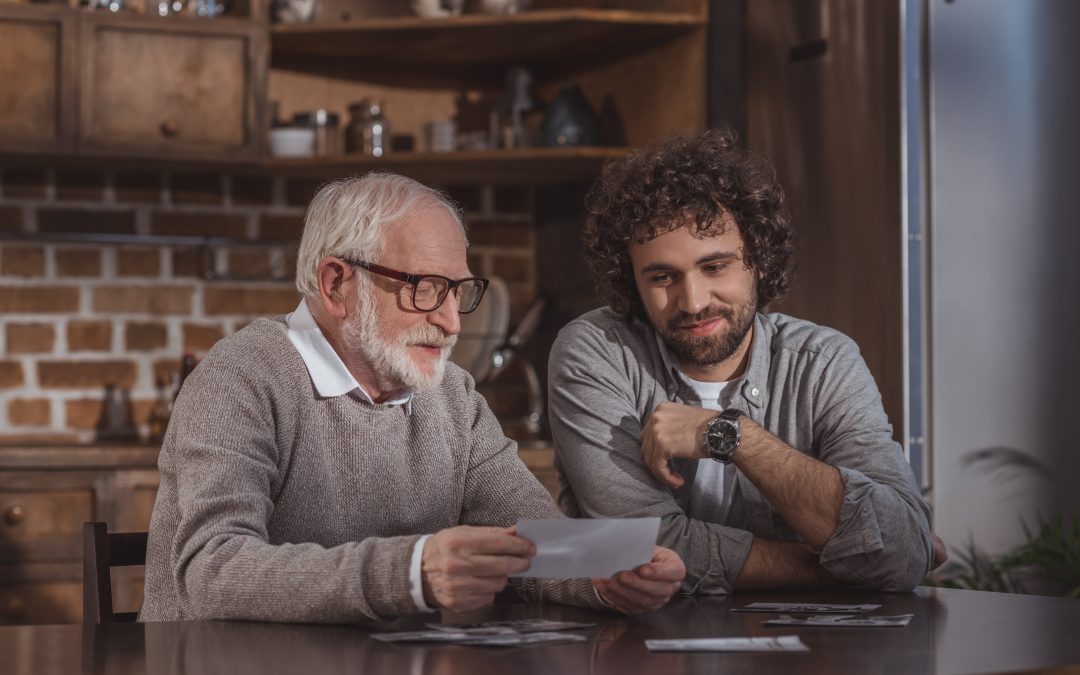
(430, 290)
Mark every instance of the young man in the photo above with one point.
(331, 466)
(759, 439)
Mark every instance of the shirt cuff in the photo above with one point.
(857, 531)
(600, 598)
(416, 579)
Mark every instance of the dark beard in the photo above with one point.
(702, 352)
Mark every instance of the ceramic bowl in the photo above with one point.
(292, 142)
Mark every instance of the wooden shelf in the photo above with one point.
(527, 166)
(474, 50)
(498, 167)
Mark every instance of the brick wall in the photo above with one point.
(78, 317)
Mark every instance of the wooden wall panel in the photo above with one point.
(654, 94)
(830, 122)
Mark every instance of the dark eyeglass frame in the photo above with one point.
(415, 279)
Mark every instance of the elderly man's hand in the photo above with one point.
(674, 430)
(647, 588)
(464, 567)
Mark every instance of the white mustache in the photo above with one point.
(432, 336)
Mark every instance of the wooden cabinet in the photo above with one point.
(174, 87)
(101, 84)
(37, 78)
(129, 86)
(46, 494)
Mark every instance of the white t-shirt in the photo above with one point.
(710, 486)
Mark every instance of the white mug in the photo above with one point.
(437, 8)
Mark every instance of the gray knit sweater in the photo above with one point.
(278, 505)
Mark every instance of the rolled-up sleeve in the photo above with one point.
(883, 534)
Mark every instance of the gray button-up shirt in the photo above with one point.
(805, 383)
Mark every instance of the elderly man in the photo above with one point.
(330, 466)
(759, 439)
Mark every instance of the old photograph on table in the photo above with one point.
(841, 620)
(805, 608)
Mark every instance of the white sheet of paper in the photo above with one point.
(570, 548)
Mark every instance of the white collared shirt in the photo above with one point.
(332, 378)
(329, 373)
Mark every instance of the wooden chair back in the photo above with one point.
(101, 552)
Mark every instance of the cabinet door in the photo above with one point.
(37, 78)
(182, 88)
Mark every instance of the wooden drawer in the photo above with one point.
(46, 494)
(52, 592)
(41, 602)
(30, 516)
(178, 87)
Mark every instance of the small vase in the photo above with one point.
(569, 120)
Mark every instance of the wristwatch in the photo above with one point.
(723, 435)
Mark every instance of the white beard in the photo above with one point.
(391, 364)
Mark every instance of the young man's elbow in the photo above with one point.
(903, 571)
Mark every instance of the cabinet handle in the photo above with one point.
(14, 608)
(14, 515)
(170, 129)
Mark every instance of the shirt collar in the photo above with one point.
(328, 372)
(750, 385)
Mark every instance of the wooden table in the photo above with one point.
(952, 632)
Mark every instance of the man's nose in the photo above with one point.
(693, 296)
(446, 315)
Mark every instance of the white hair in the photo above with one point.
(349, 218)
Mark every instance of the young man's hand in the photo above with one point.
(674, 430)
(941, 554)
(646, 588)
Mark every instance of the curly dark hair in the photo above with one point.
(687, 179)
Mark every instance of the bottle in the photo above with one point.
(368, 132)
(325, 125)
(116, 422)
(208, 9)
(187, 364)
(160, 413)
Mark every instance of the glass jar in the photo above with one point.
(325, 124)
(368, 132)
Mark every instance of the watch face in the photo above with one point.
(722, 438)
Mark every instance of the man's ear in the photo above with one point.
(331, 276)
